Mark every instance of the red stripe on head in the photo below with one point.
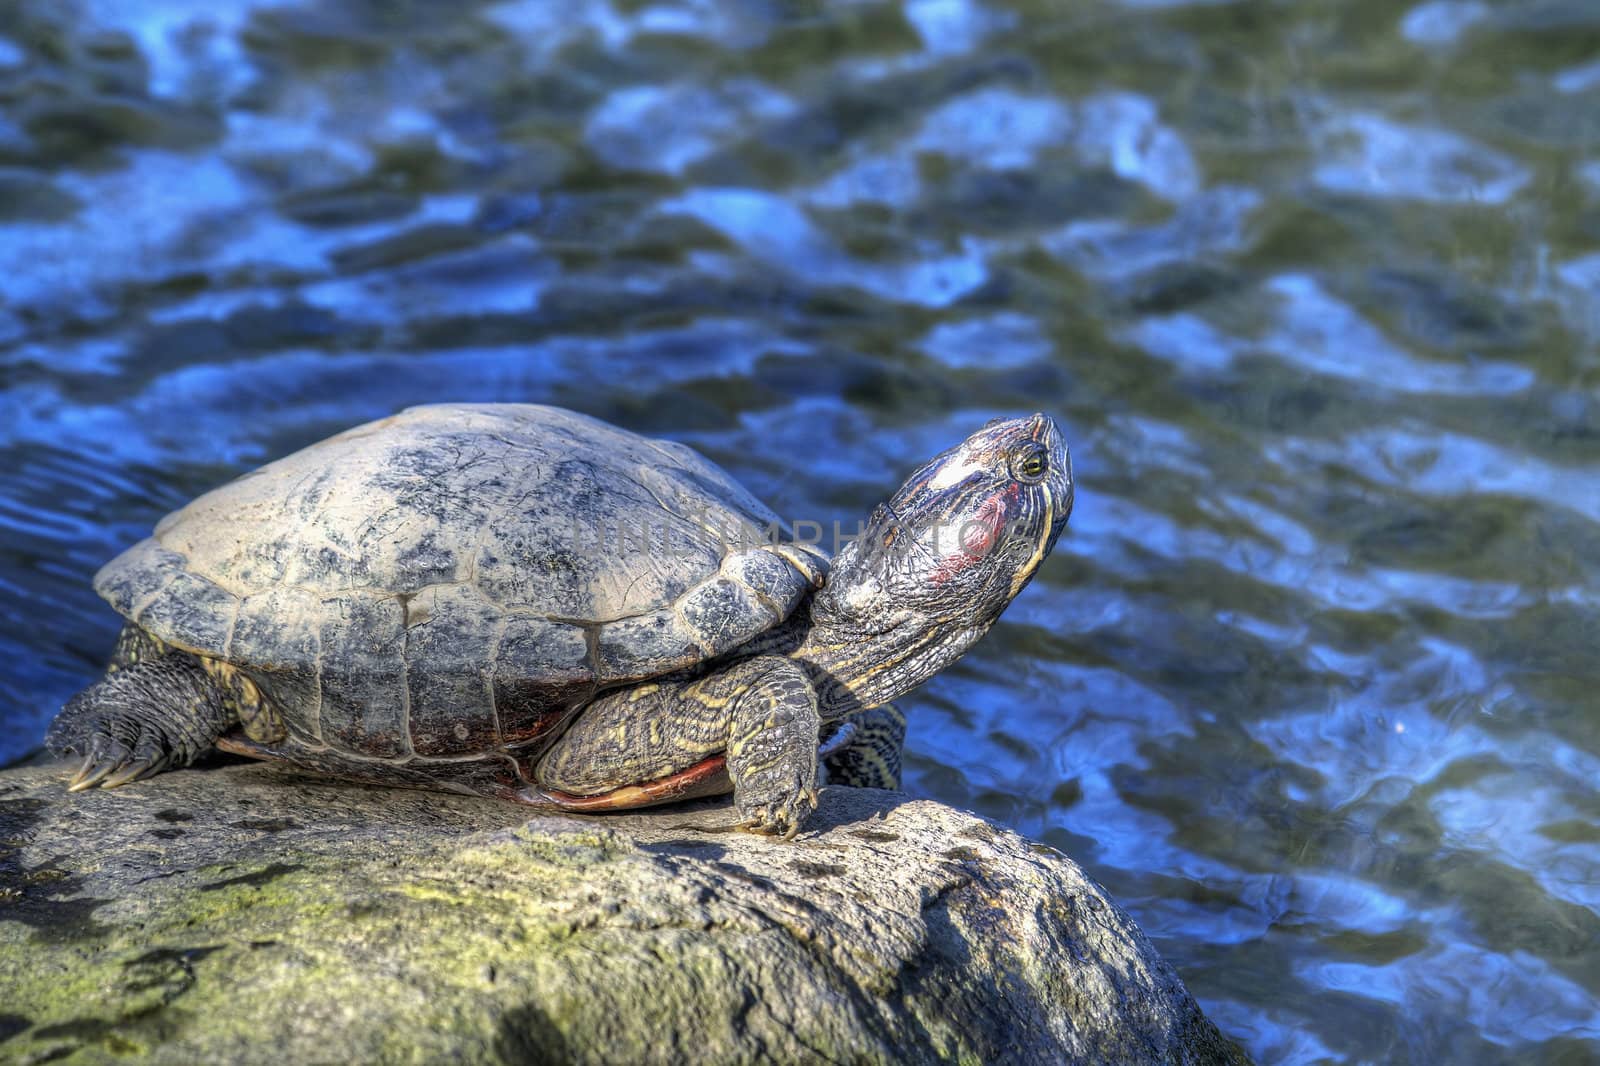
(977, 535)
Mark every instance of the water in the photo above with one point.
(1313, 287)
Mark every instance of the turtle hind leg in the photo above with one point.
(145, 716)
(872, 757)
(135, 645)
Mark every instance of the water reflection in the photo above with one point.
(1313, 290)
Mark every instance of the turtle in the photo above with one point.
(527, 603)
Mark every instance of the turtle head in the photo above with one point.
(939, 561)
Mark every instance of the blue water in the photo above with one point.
(1313, 289)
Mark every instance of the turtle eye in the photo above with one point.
(1031, 463)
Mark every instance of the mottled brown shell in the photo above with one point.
(459, 578)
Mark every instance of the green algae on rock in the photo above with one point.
(219, 915)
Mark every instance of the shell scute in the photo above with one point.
(364, 677)
(543, 670)
(449, 630)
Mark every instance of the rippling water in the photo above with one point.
(1312, 286)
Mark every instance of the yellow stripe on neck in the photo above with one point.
(1020, 578)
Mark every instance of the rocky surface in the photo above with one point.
(244, 914)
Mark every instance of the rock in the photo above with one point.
(245, 914)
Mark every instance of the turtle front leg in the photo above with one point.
(145, 716)
(760, 712)
(772, 744)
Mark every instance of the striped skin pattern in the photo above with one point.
(761, 712)
(872, 758)
(673, 679)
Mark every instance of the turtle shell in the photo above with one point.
(458, 579)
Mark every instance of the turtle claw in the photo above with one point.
(77, 783)
(111, 764)
(780, 817)
(91, 773)
(134, 771)
(762, 827)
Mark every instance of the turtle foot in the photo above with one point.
(775, 815)
(117, 749)
(137, 722)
